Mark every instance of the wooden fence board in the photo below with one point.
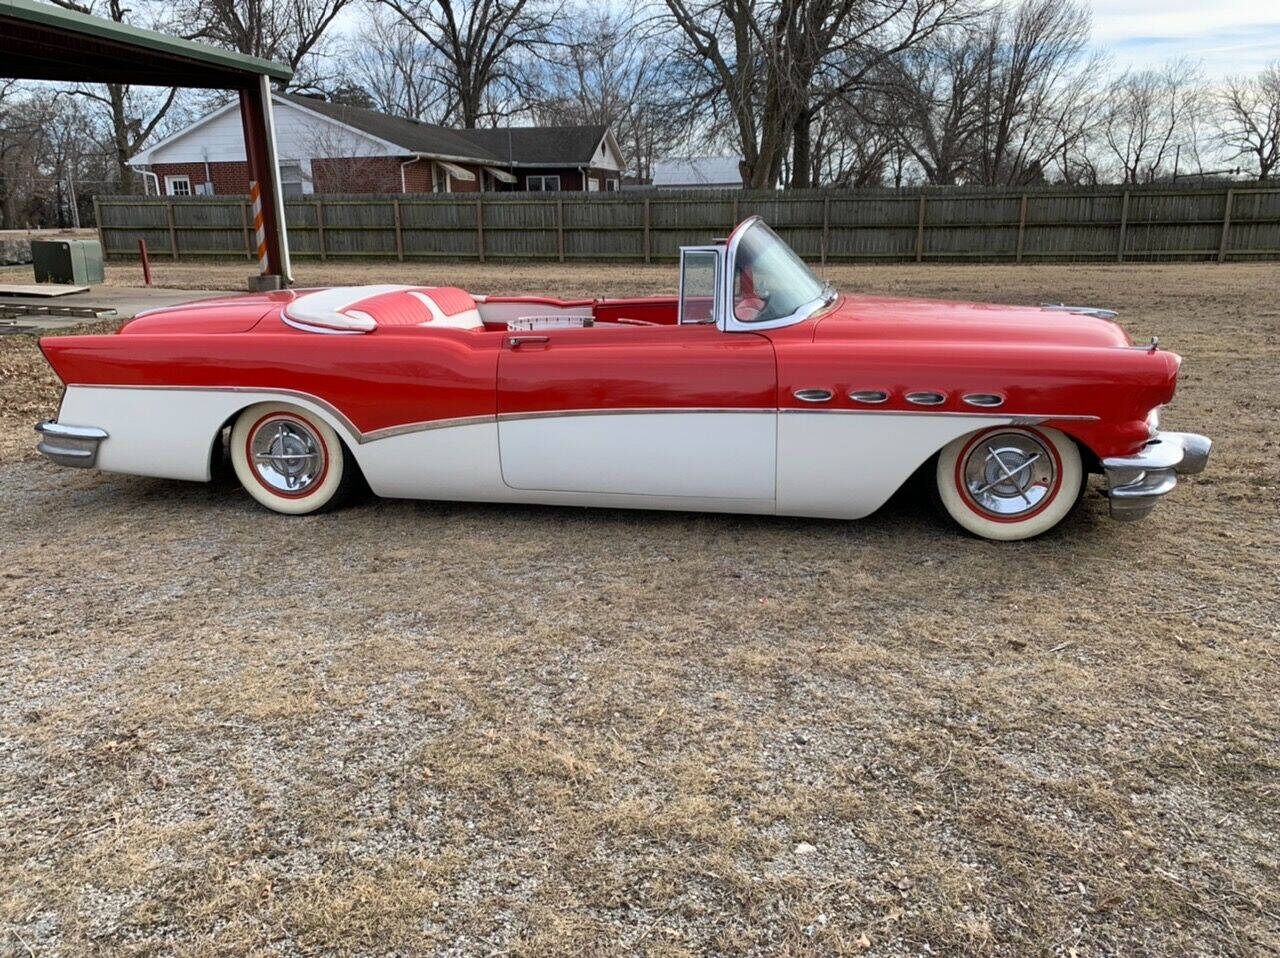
(930, 225)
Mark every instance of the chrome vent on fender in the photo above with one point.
(812, 395)
(926, 398)
(869, 396)
(985, 400)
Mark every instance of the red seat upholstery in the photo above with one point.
(450, 299)
(413, 307)
(397, 308)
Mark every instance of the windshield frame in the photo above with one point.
(802, 312)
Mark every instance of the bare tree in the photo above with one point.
(23, 120)
(605, 67)
(854, 144)
(1249, 119)
(400, 71)
(933, 105)
(132, 114)
(777, 63)
(998, 100)
(1151, 117)
(287, 31)
(1034, 83)
(480, 44)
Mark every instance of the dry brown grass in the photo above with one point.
(429, 727)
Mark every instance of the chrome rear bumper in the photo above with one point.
(70, 445)
(1136, 483)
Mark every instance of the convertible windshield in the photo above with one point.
(770, 281)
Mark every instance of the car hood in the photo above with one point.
(860, 317)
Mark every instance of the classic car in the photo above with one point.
(756, 389)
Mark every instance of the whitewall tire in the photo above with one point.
(288, 459)
(1009, 482)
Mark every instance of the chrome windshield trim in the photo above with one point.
(728, 322)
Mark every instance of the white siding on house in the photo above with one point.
(606, 158)
(300, 135)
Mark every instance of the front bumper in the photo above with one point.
(1136, 483)
(70, 445)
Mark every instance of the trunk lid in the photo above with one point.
(223, 314)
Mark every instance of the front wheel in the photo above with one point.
(1010, 482)
(288, 459)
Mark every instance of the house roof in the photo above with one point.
(540, 145)
(411, 135)
(530, 145)
(46, 42)
(698, 171)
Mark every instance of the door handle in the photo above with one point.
(517, 341)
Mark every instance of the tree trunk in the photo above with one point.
(801, 163)
(122, 148)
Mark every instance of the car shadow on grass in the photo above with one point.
(909, 519)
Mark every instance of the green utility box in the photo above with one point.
(78, 262)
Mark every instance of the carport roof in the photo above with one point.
(39, 41)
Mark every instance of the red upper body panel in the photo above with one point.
(1041, 362)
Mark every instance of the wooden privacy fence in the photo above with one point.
(1236, 222)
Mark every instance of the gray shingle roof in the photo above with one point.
(529, 145)
(413, 136)
(540, 145)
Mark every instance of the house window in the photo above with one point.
(611, 185)
(593, 185)
(548, 184)
(177, 185)
(291, 178)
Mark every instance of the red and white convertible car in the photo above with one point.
(756, 389)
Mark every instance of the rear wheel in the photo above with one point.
(1009, 482)
(288, 459)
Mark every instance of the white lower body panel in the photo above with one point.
(685, 453)
(824, 464)
(846, 465)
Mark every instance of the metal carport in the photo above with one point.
(39, 41)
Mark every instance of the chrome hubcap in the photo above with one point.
(287, 456)
(1008, 474)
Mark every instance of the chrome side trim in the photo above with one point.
(642, 411)
(328, 407)
(387, 432)
(927, 398)
(75, 446)
(869, 396)
(405, 429)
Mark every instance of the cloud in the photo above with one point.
(1238, 36)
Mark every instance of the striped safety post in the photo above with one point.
(259, 230)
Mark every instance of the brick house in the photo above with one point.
(333, 148)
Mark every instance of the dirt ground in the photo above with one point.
(418, 727)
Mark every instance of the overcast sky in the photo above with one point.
(1228, 36)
